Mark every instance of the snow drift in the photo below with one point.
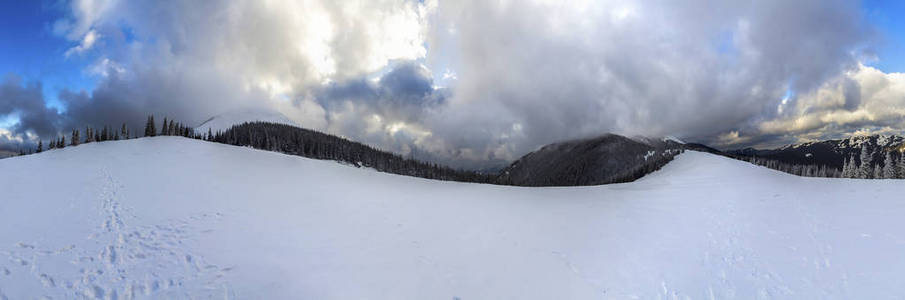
(169, 217)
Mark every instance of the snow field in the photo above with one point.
(169, 217)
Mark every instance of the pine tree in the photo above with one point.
(75, 138)
(865, 171)
(889, 170)
(878, 172)
(124, 133)
(151, 127)
(852, 167)
(40, 147)
(163, 129)
(900, 167)
(845, 168)
(849, 168)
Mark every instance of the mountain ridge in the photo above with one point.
(831, 153)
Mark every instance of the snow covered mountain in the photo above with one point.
(169, 217)
(225, 120)
(829, 153)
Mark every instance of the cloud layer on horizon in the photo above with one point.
(468, 82)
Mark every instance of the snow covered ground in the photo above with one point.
(168, 217)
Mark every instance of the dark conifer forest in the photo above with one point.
(309, 143)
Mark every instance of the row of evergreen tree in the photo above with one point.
(863, 167)
(313, 144)
(108, 133)
(866, 168)
(172, 128)
(795, 169)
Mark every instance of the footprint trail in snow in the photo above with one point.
(119, 260)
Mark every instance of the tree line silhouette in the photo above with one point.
(855, 166)
(313, 144)
(109, 133)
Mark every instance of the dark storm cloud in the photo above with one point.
(409, 81)
(403, 93)
(383, 110)
(26, 100)
(545, 72)
(161, 58)
(186, 96)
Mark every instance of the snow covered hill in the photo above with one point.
(169, 217)
(225, 120)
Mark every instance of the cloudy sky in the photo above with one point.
(469, 83)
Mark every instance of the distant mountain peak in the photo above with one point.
(674, 139)
(881, 140)
(662, 142)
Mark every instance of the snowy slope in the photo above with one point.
(226, 120)
(170, 217)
